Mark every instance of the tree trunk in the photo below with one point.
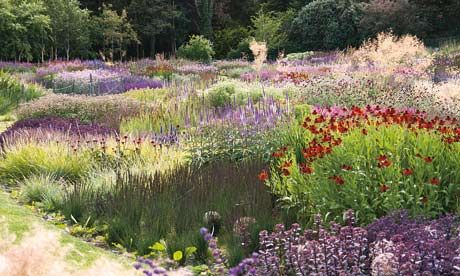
(173, 38)
(152, 46)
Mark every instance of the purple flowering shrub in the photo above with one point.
(393, 245)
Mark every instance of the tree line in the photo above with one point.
(39, 30)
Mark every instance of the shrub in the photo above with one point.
(391, 160)
(241, 51)
(106, 110)
(221, 95)
(399, 16)
(327, 24)
(198, 48)
(299, 56)
(227, 39)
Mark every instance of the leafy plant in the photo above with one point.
(374, 160)
(198, 48)
(13, 92)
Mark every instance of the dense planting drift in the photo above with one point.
(393, 245)
(373, 160)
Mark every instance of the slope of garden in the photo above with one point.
(340, 163)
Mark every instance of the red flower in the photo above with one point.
(384, 164)
(277, 154)
(304, 168)
(364, 131)
(347, 167)
(428, 159)
(337, 179)
(435, 181)
(407, 172)
(285, 172)
(286, 164)
(384, 188)
(382, 158)
(263, 175)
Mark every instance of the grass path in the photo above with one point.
(78, 255)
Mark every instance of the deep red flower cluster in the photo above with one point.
(328, 124)
(383, 161)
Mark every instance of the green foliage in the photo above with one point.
(117, 32)
(45, 189)
(205, 9)
(327, 24)
(221, 95)
(370, 190)
(70, 28)
(400, 16)
(27, 160)
(267, 28)
(141, 209)
(24, 28)
(232, 143)
(157, 13)
(198, 48)
(242, 50)
(227, 39)
(13, 92)
(299, 56)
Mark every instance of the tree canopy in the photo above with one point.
(37, 30)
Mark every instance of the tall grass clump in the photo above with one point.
(24, 160)
(13, 92)
(140, 208)
(45, 190)
(391, 51)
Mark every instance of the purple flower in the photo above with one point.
(393, 245)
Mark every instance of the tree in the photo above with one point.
(70, 28)
(267, 28)
(24, 28)
(399, 16)
(205, 9)
(327, 25)
(116, 32)
(227, 39)
(151, 18)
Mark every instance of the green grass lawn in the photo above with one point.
(19, 220)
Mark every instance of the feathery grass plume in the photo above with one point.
(259, 50)
(41, 253)
(391, 51)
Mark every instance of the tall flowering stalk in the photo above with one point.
(218, 264)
